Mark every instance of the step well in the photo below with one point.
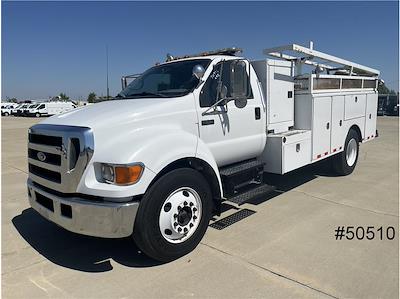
(250, 194)
(237, 175)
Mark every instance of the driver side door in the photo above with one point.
(233, 132)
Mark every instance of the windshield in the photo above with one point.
(167, 80)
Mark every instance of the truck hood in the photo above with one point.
(115, 112)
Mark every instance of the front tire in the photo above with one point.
(37, 114)
(6, 114)
(345, 162)
(173, 215)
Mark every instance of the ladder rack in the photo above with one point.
(302, 55)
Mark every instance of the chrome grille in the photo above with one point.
(58, 155)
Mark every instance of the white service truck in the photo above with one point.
(190, 133)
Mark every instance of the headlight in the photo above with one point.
(107, 172)
(122, 174)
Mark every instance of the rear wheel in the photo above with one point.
(173, 215)
(6, 114)
(345, 162)
(37, 114)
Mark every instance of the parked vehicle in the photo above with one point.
(50, 108)
(19, 110)
(6, 109)
(29, 108)
(381, 105)
(392, 105)
(192, 132)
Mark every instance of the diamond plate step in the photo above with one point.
(256, 192)
(231, 219)
(240, 168)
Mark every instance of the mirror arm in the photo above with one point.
(213, 106)
(249, 81)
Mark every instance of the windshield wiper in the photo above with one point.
(146, 93)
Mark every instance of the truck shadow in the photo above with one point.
(78, 252)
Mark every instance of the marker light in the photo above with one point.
(121, 174)
(127, 175)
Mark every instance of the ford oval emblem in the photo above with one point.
(41, 156)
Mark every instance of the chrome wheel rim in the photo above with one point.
(180, 215)
(351, 152)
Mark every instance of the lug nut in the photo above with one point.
(191, 204)
(185, 230)
(194, 217)
(191, 224)
(176, 223)
(175, 215)
(185, 203)
(194, 210)
(179, 229)
(179, 208)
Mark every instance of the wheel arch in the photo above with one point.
(201, 166)
(356, 128)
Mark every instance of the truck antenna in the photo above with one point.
(108, 90)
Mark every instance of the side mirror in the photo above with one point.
(198, 71)
(239, 80)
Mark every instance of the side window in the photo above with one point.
(41, 106)
(208, 95)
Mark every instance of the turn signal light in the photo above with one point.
(127, 175)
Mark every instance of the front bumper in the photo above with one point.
(82, 216)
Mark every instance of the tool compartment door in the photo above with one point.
(354, 106)
(321, 140)
(370, 117)
(338, 133)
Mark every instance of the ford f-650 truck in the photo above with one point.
(156, 162)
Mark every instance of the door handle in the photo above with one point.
(327, 126)
(257, 113)
(207, 122)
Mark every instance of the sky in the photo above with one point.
(53, 47)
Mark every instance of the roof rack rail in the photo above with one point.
(303, 55)
(225, 51)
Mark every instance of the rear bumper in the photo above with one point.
(99, 219)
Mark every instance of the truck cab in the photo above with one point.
(157, 161)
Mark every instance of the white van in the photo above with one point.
(31, 107)
(50, 108)
(19, 110)
(6, 109)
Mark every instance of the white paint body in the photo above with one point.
(160, 131)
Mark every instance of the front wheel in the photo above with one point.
(173, 215)
(37, 114)
(6, 114)
(345, 162)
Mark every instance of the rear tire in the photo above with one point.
(345, 162)
(6, 114)
(173, 215)
(37, 114)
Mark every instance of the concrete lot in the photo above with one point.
(286, 249)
